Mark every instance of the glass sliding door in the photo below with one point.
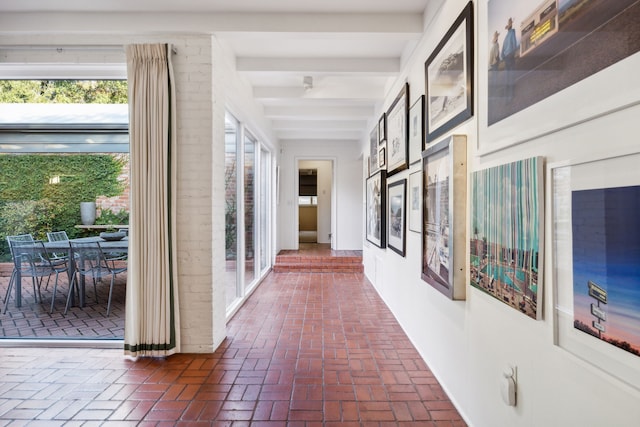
(263, 208)
(231, 138)
(250, 191)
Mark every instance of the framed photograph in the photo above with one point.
(397, 132)
(373, 152)
(376, 208)
(529, 52)
(449, 78)
(382, 158)
(382, 128)
(397, 216)
(596, 272)
(416, 130)
(507, 219)
(415, 201)
(444, 189)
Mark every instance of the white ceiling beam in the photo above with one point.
(319, 134)
(333, 125)
(371, 66)
(98, 22)
(362, 94)
(318, 141)
(320, 113)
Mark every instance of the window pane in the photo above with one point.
(249, 207)
(230, 184)
(263, 209)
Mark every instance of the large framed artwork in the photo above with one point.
(376, 208)
(397, 132)
(507, 219)
(373, 151)
(444, 187)
(416, 130)
(596, 262)
(449, 78)
(397, 216)
(415, 201)
(531, 51)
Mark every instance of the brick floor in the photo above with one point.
(306, 349)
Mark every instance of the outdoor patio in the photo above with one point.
(33, 320)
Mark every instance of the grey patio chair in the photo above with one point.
(10, 239)
(91, 262)
(31, 259)
(58, 236)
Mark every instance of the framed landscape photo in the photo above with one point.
(566, 54)
(449, 78)
(397, 216)
(415, 201)
(373, 151)
(397, 132)
(416, 130)
(444, 194)
(596, 268)
(507, 226)
(376, 208)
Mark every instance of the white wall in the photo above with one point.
(468, 343)
(347, 196)
(206, 84)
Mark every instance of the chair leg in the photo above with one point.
(55, 288)
(113, 277)
(71, 286)
(8, 294)
(35, 295)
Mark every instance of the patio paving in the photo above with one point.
(90, 322)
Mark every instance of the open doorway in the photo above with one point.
(315, 182)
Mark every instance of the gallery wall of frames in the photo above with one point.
(482, 162)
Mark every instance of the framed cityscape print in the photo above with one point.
(415, 201)
(397, 216)
(416, 130)
(444, 195)
(376, 208)
(596, 268)
(397, 132)
(529, 52)
(373, 151)
(449, 78)
(507, 218)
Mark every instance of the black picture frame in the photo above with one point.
(376, 208)
(449, 78)
(382, 128)
(397, 216)
(397, 118)
(373, 151)
(382, 158)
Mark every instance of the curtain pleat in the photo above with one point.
(152, 320)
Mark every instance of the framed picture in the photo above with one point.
(382, 128)
(444, 189)
(382, 158)
(507, 218)
(530, 51)
(397, 132)
(416, 130)
(373, 151)
(376, 208)
(596, 273)
(397, 215)
(449, 78)
(415, 201)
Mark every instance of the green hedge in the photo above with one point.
(30, 203)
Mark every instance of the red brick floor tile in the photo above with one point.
(306, 349)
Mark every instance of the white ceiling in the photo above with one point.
(353, 50)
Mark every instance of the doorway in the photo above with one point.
(315, 201)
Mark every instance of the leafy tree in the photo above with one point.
(63, 91)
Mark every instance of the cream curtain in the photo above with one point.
(152, 318)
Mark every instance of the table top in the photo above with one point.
(103, 227)
(122, 245)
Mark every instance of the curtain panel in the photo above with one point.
(152, 318)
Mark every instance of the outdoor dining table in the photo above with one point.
(64, 246)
